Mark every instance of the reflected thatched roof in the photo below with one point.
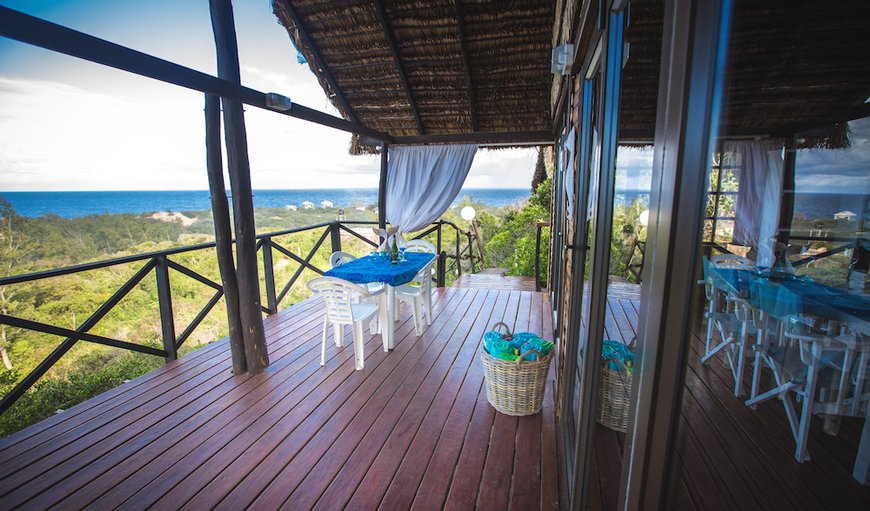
(794, 67)
(429, 67)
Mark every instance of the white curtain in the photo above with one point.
(758, 196)
(422, 182)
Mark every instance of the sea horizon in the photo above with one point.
(81, 203)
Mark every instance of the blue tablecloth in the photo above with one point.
(376, 269)
(784, 295)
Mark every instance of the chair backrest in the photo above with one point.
(731, 261)
(420, 246)
(338, 295)
(338, 258)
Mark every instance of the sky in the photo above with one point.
(68, 124)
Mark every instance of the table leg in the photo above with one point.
(862, 459)
(390, 328)
(384, 319)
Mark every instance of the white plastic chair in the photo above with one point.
(419, 298)
(339, 258)
(733, 317)
(340, 296)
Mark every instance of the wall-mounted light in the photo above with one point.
(278, 102)
(562, 58)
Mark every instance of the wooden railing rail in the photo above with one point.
(162, 265)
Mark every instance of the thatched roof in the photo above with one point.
(795, 67)
(468, 66)
(429, 67)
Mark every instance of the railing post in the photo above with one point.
(335, 235)
(458, 253)
(438, 244)
(269, 275)
(441, 269)
(164, 301)
(538, 258)
(470, 250)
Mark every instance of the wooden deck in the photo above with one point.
(413, 429)
(730, 456)
(494, 281)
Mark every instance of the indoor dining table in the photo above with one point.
(784, 295)
(377, 269)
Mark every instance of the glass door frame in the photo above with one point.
(604, 57)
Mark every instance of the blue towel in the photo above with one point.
(541, 346)
(615, 350)
(499, 348)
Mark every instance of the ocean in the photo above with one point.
(806, 205)
(78, 204)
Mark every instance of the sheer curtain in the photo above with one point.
(756, 209)
(422, 182)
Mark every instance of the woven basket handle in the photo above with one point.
(507, 335)
(536, 352)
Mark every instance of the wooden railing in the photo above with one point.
(161, 262)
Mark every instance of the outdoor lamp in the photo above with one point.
(467, 213)
(644, 217)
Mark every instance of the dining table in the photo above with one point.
(784, 295)
(376, 268)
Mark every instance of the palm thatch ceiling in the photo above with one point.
(412, 68)
(793, 67)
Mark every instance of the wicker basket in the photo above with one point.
(515, 387)
(614, 392)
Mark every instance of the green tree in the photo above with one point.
(14, 256)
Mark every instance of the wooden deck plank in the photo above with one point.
(499, 467)
(466, 481)
(132, 390)
(106, 452)
(428, 443)
(494, 281)
(550, 479)
(766, 432)
(364, 486)
(414, 429)
(254, 447)
(284, 375)
(281, 473)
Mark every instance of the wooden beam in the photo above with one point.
(482, 138)
(403, 76)
(319, 62)
(463, 44)
(38, 32)
(256, 354)
(223, 233)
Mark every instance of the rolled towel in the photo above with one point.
(499, 348)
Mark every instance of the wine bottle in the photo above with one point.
(394, 252)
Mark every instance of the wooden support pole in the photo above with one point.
(382, 189)
(223, 232)
(223, 26)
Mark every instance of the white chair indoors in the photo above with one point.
(418, 297)
(339, 297)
